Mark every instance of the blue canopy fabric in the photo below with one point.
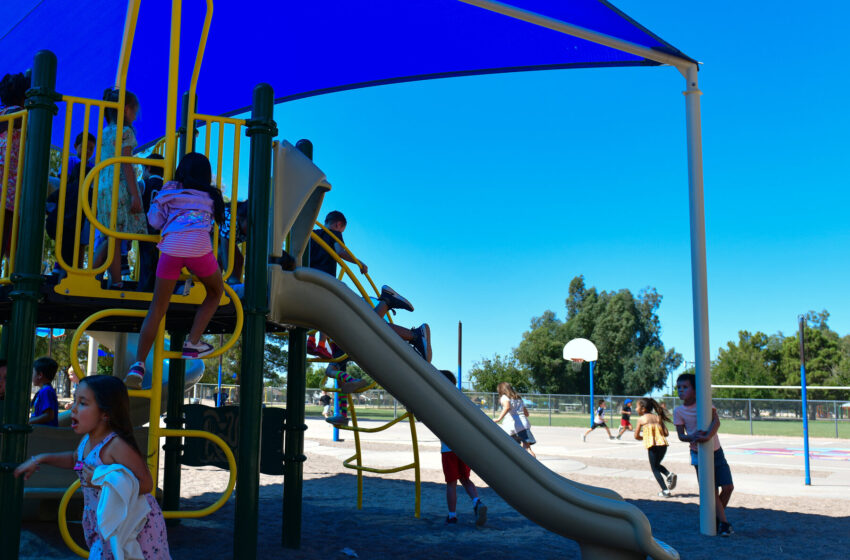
(302, 48)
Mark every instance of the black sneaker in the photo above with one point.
(422, 341)
(451, 520)
(671, 481)
(480, 514)
(724, 529)
(393, 300)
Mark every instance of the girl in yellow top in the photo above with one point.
(652, 430)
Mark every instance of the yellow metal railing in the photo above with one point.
(359, 454)
(82, 282)
(16, 137)
(345, 270)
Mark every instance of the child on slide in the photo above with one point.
(184, 211)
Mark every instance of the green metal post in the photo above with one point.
(174, 421)
(27, 281)
(296, 388)
(4, 343)
(261, 129)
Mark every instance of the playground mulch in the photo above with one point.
(333, 528)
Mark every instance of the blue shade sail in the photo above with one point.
(302, 48)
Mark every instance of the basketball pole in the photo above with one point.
(591, 362)
(805, 403)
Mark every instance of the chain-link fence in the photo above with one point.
(737, 416)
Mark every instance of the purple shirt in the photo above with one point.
(45, 400)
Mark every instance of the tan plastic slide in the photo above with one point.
(605, 526)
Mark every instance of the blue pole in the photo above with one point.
(805, 401)
(336, 409)
(591, 392)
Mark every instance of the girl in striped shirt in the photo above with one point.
(184, 211)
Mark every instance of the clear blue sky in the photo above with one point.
(480, 198)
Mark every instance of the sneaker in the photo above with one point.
(480, 514)
(318, 350)
(353, 385)
(338, 420)
(134, 376)
(664, 494)
(451, 520)
(619, 435)
(393, 300)
(671, 481)
(611, 437)
(198, 350)
(724, 529)
(422, 341)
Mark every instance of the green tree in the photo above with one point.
(753, 360)
(488, 373)
(626, 331)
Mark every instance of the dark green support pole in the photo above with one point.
(174, 421)
(296, 387)
(27, 281)
(261, 130)
(184, 128)
(4, 343)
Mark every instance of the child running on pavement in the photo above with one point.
(455, 470)
(685, 419)
(184, 211)
(598, 421)
(652, 429)
(625, 417)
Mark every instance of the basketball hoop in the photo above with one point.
(576, 363)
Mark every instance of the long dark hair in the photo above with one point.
(111, 397)
(111, 94)
(651, 406)
(194, 172)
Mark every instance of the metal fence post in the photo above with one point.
(550, 409)
(750, 414)
(835, 415)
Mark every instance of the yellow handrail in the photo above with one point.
(63, 521)
(231, 481)
(8, 119)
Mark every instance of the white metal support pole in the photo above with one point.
(91, 366)
(692, 93)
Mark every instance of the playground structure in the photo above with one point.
(298, 299)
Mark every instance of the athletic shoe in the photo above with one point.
(671, 480)
(311, 345)
(317, 350)
(480, 514)
(198, 350)
(611, 437)
(451, 520)
(353, 385)
(393, 300)
(338, 420)
(724, 529)
(134, 376)
(422, 341)
(618, 436)
(665, 494)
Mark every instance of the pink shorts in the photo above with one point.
(169, 266)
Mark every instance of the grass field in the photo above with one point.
(791, 428)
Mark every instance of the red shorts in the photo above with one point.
(169, 266)
(453, 468)
(625, 423)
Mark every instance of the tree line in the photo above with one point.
(625, 329)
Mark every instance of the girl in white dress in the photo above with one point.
(514, 417)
